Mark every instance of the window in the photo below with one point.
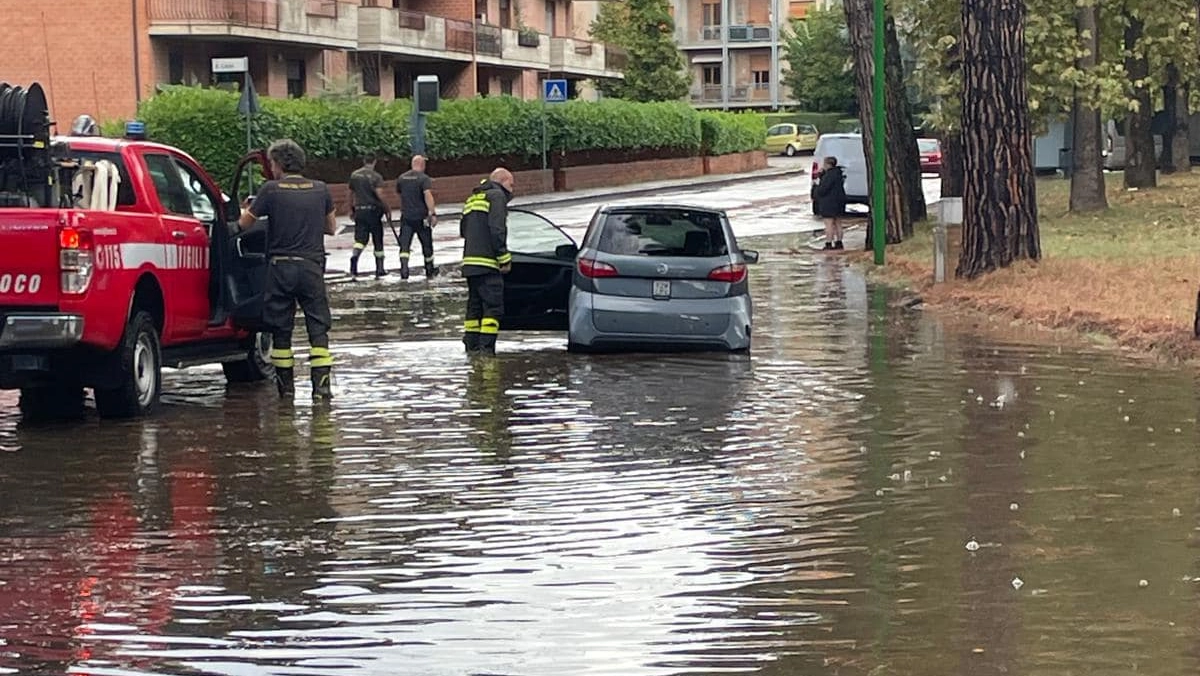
(711, 11)
(202, 201)
(506, 86)
(762, 79)
(552, 17)
(779, 130)
(533, 235)
(180, 190)
(174, 67)
(296, 77)
(663, 232)
(712, 76)
(125, 195)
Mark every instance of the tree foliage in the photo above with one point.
(818, 54)
(646, 31)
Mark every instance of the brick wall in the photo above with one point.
(83, 47)
(605, 175)
(736, 163)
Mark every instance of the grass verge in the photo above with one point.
(1128, 275)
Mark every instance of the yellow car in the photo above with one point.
(789, 139)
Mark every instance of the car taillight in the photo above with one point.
(729, 273)
(816, 171)
(74, 259)
(592, 268)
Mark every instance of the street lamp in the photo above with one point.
(878, 203)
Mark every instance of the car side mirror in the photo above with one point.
(750, 255)
(566, 252)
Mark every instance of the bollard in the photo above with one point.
(939, 253)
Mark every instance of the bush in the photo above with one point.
(613, 124)
(726, 133)
(206, 124)
(824, 122)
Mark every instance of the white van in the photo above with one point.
(848, 149)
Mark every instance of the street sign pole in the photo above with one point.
(878, 197)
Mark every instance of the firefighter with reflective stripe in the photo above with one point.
(299, 214)
(369, 211)
(484, 229)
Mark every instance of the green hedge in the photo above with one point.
(725, 133)
(206, 124)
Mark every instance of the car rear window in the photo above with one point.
(927, 145)
(696, 234)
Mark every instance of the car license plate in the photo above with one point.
(662, 288)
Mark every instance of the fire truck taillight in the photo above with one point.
(75, 261)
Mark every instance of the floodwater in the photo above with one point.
(871, 492)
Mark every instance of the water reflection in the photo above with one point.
(803, 511)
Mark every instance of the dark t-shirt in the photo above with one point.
(363, 183)
(412, 185)
(296, 208)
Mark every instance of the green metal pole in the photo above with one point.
(878, 201)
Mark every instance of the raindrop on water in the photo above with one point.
(1176, 512)
(972, 546)
(1013, 507)
(1017, 583)
(1143, 583)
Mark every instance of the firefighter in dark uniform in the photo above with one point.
(369, 212)
(484, 229)
(417, 215)
(300, 213)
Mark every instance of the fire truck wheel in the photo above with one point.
(140, 368)
(58, 401)
(256, 367)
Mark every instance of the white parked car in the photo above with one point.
(848, 149)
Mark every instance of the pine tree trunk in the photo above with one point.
(903, 175)
(1000, 198)
(1087, 171)
(1141, 169)
(1179, 129)
(952, 164)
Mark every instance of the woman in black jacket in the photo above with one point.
(830, 202)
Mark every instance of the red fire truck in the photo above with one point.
(119, 257)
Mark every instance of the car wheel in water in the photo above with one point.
(56, 401)
(139, 368)
(256, 367)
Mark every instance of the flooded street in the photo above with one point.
(871, 492)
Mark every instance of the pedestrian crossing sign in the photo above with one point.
(554, 91)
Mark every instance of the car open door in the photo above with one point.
(537, 287)
(246, 269)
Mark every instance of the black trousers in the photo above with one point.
(485, 308)
(292, 282)
(368, 224)
(424, 233)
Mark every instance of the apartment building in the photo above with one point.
(103, 56)
(734, 49)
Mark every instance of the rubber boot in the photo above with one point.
(471, 341)
(321, 383)
(285, 382)
(379, 271)
(403, 268)
(430, 269)
(354, 264)
(487, 343)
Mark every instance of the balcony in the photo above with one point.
(707, 94)
(615, 59)
(579, 57)
(397, 31)
(321, 23)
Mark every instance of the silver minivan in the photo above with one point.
(848, 149)
(661, 277)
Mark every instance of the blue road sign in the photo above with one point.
(554, 91)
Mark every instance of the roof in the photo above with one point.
(102, 144)
(658, 207)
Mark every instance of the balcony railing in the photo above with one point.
(583, 48)
(464, 36)
(709, 34)
(749, 33)
(325, 8)
(707, 93)
(411, 20)
(247, 13)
